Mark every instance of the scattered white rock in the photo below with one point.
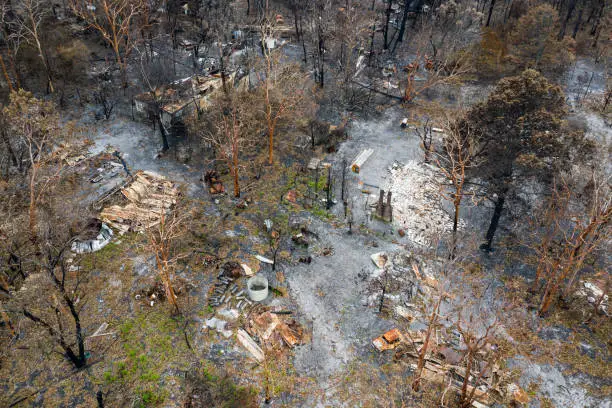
(593, 290)
(214, 323)
(404, 312)
(230, 314)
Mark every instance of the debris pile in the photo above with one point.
(269, 327)
(150, 195)
(156, 292)
(314, 163)
(399, 279)
(380, 259)
(109, 170)
(212, 180)
(300, 239)
(73, 160)
(416, 202)
(226, 291)
(592, 292)
(264, 327)
(442, 365)
(92, 243)
(220, 326)
(305, 237)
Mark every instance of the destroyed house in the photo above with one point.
(179, 98)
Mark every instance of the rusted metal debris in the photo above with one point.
(215, 186)
(389, 340)
(291, 196)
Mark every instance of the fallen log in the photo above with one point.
(361, 159)
(249, 344)
(371, 88)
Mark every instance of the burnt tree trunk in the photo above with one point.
(162, 131)
(497, 211)
(321, 61)
(570, 10)
(578, 23)
(598, 15)
(491, 7)
(9, 148)
(402, 30)
(303, 42)
(386, 28)
(453, 251)
(79, 361)
(328, 203)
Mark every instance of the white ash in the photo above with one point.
(416, 203)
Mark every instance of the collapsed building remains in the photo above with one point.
(150, 196)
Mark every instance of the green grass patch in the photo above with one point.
(112, 256)
(322, 213)
(150, 343)
(150, 397)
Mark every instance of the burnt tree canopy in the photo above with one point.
(520, 131)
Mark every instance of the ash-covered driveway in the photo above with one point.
(330, 291)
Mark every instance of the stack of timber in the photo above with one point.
(150, 196)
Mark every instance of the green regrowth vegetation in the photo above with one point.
(151, 343)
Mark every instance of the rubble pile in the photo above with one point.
(110, 169)
(442, 365)
(592, 292)
(85, 244)
(271, 327)
(226, 291)
(268, 329)
(403, 278)
(155, 291)
(263, 328)
(416, 202)
(212, 180)
(76, 158)
(150, 195)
